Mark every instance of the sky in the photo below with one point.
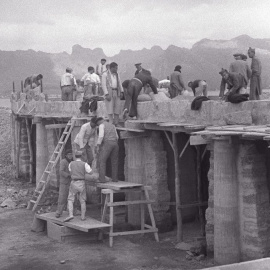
(114, 25)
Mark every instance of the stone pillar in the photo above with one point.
(24, 152)
(41, 150)
(52, 142)
(155, 171)
(226, 235)
(209, 214)
(254, 208)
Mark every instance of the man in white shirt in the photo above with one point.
(91, 83)
(68, 85)
(85, 142)
(77, 169)
(113, 91)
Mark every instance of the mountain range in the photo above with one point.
(203, 61)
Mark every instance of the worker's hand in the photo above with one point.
(107, 97)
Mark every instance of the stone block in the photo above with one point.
(238, 118)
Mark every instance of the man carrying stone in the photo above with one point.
(85, 141)
(65, 179)
(68, 85)
(113, 91)
(77, 169)
(199, 88)
(134, 88)
(255, 80)
(107, 147)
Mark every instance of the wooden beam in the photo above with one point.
(130, 129)
(13, 87)
(52, 126)
(28, 130)
(185, 147)
(168, 138)
(18, 148)
(21, 107)
(177, 190)
(198, 140)
(132, 135)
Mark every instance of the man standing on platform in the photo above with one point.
(255, 80)
(177, 86)
(85, 140)
(101, 67)
(77, 169)
(65, 179)
(91, 83)
(134, 88)
(113, 91)
(107, 147)
(68, 85)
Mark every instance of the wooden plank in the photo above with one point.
(169, 139)
(130, 129)
(185, 147)
(75, 223)
(131, 202)
(172, 124)
(118, 185)
(193, 127)
(198, 140)
(52, 126)
(131, 135)
(135, 232)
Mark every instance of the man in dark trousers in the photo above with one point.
(65, 180)
(107, 147)
(134, 88)
(78, 169)
(199, 88)
(255, 80)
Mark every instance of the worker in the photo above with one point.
(255, 80)
(91, 83)
(78, 170)
(85, 141)
(235, 84)
(240, 66)
(101, 67)
(68, 85)
(107, 147)
(177, 86)
(140, 69)
(125, 87)
(65, 180)
(134, 88)
(113, 91)
(199, 88)
(33, 81)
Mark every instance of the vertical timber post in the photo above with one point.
(177, 190)
(13, 87)
(22, 86)
(28, 130)
(18, 134)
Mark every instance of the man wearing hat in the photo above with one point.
(68, 85)
(235, 84)
(140, 69)
(255, 80)
(77, 169)
(65, 180)
(113, 91)
(107, 147)
(240, 66)
(177, 86)
(135, 86)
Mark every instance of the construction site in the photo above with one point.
(178, 168)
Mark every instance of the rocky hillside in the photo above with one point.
(204, 60)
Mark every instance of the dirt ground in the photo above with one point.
(21, 249)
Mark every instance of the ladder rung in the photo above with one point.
(65, 132)
(61, 142)
(47, 171)
(32, 201)
(41, 181)
(51, 161)
(68, 124)
(56, 152)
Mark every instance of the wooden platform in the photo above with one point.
(119, 185)
(76, 223)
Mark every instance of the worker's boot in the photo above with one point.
(83, 210)
(70, 210)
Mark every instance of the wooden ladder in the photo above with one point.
(45, 178)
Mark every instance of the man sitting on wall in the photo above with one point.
(236, 84)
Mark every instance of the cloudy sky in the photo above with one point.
(56, 25)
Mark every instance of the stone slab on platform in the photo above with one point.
(238, 118)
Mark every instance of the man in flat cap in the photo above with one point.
(177, 86)
(240, 66)
(255, 80)
(65, 180)
(235, 84)
(140, 69)
(78, 169)
(68, 85)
